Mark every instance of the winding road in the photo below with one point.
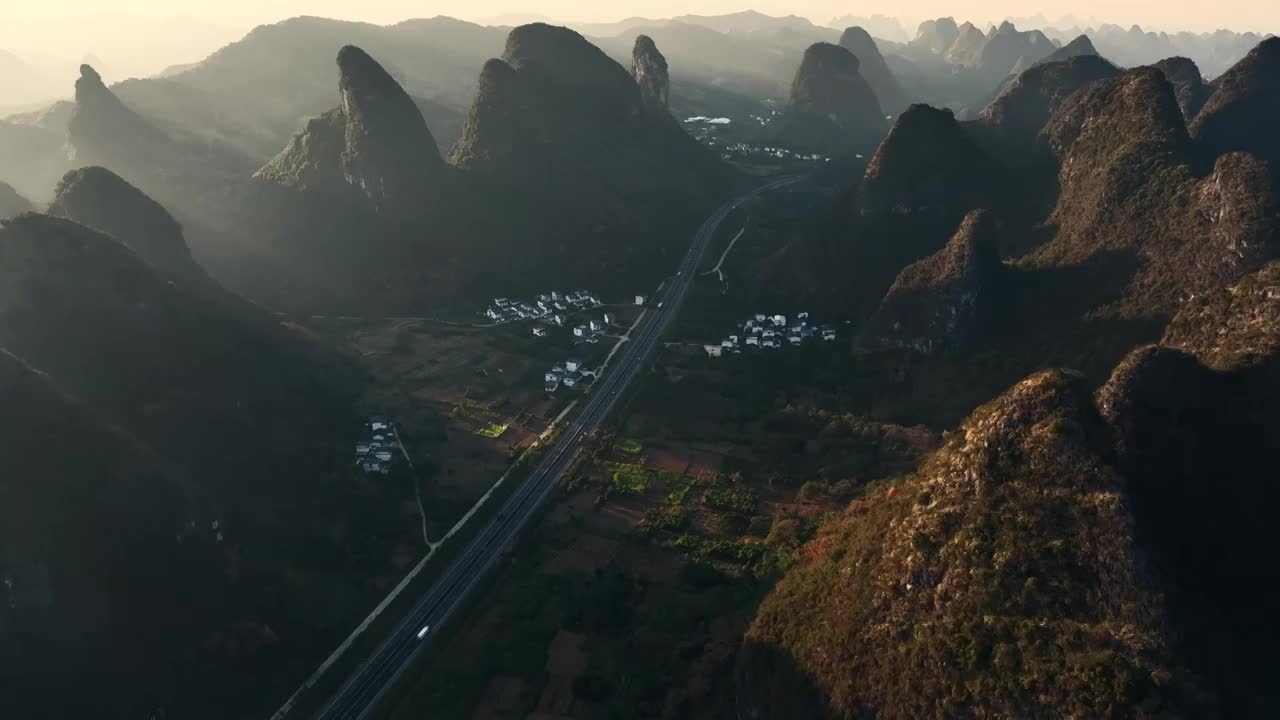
(362, 693)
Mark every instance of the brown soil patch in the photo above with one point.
(587, 554)
(565, 655)
(566, 660)
(666, 461)
(501, 700)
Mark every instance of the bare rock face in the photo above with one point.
(937, 36)
(1129, 189)
(1188, 84)
(872, 66)
(1004, 578)
(375, 144)
(927, 164)
(967, 48)
(1197, 436)
(649, 68)
(557, 111)
(100, 199)
(1012, 123)
(11, 203)
(1008, 47)
(1244, 111)
(833, 109)
(104, 131)
(941, 301)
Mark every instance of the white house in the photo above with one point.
(795, 340)
(572, 366)
(383, 455)
(728, 344)
(539, 332)
(501, 302)
(570, 380)
(753, 340)
(640, 299)
(555, 295)
(608, 319)
(557, 319)
(780, 320)
(733, 339)
(362, 448)
(828, 335)
(760, 317)
(553, 383)
(492, 314)
(551, 377)
(803, 316)
(713, 350)
(579, 331)
(596, 326)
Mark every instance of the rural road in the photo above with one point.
(361, 694)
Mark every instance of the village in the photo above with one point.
(771, 332)
(375, 454)
(550, 306)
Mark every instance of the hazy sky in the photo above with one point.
(1260, 15)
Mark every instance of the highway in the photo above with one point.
(361, 693)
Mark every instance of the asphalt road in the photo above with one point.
(361, 692)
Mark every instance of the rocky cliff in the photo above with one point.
(872, 67)
(1188, 84)
(1011, 124)
(1244, 110)
(833, 110)
(100, 199)
(1132, 190)
(942, 301)
(11, 203)
(649, 68)
(374, 145)
(1004, 578)
(927, 164)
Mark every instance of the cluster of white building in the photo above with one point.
(375, 453)
(746, 150)
(569, 373)
(771, 332)
(548, 306)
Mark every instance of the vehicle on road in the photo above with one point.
(423, 632)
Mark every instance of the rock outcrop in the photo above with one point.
(649, 68)
(872, 67)
(1004, 578)
(936, 36)
(375, 144)
(1185, 415)
(1130, 193)
(1078, 47)
(1244, 111)
(1011, 124)
(833, 110)
(11, 203)
(105, 131)
(927, 164)
(100, 199)
(967, 48)
(557, 111)
(1188, 84)
(1008, 48)
(941, 302)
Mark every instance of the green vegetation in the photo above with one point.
(629, 445)
(680, 486)
(629, 479)
(735, 500)
(492, 430)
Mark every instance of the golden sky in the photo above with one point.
(1259, 15)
